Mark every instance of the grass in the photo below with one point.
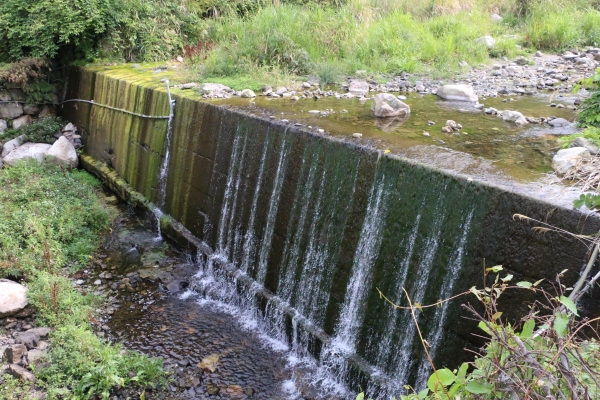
(386, 37)
(50, 221)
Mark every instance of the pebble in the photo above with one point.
(357, 135)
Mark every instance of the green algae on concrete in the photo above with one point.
(305, 200)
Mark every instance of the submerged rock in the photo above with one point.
(565, 159)
(457, 93)
(13, 298)
(387, 105)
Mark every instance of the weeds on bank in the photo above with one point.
(545, 358)
(50, 221)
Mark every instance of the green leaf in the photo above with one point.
(443, 377)
(454, 389)
(528, 328)
(360, 396)
(561, 322)
(496, 268)
(479, 388)
(569, 304)
(525, 284)
(507, 278)
(423, 393)
(484, 328)
(462, 371)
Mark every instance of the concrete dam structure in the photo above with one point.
(304, 230)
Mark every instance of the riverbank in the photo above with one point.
(51, 221)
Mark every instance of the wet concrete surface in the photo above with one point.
(211, 354)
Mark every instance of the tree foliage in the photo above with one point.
(87, 29)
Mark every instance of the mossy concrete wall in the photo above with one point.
(234, 175)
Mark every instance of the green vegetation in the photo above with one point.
(50, 221)
(543, 359)
(86, 30)
(40, 131)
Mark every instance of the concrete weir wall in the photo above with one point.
(321, 224)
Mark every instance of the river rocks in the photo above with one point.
(13, 298)
(20, 373)
(565, 159)
(387, 105)
(358, 88)
(558, 123)
(247, 94)
(62, 152)
(487, 40)
(457, 93)
(587, 144)
(28, 338)
(216, 90)
(513, 116)
(35, 151)
(22, 121)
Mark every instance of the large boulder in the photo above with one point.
(10, 110)
(31, 109)
(387, 105)
(583, 142)
(565, 159)
(358, 88)
(11, 145)
(35, 151)
(457, 93)
(3, 126)
(22, 122)
(247, 94)
(513, 116)
(13, 298)
(62, 152)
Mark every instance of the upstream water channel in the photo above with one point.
(297, 224)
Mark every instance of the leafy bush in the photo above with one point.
(23, 71)
(87, 29)
(589, 112)
(40, 131)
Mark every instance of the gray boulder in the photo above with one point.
(35, 151)
(358, 88)
(583, 142)
(13, 298)
(47, 111)
(28, 339)
(11, 145)
(36, 356)
(558, 123)
(62, 152)
(22, 122)
(3, 126)
(10, 110)
(513, 116)
(457, 93)
(20, 373)
(247, 94)
(565, 159)
(388, 105)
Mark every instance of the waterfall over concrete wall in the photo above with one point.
(321, 224)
